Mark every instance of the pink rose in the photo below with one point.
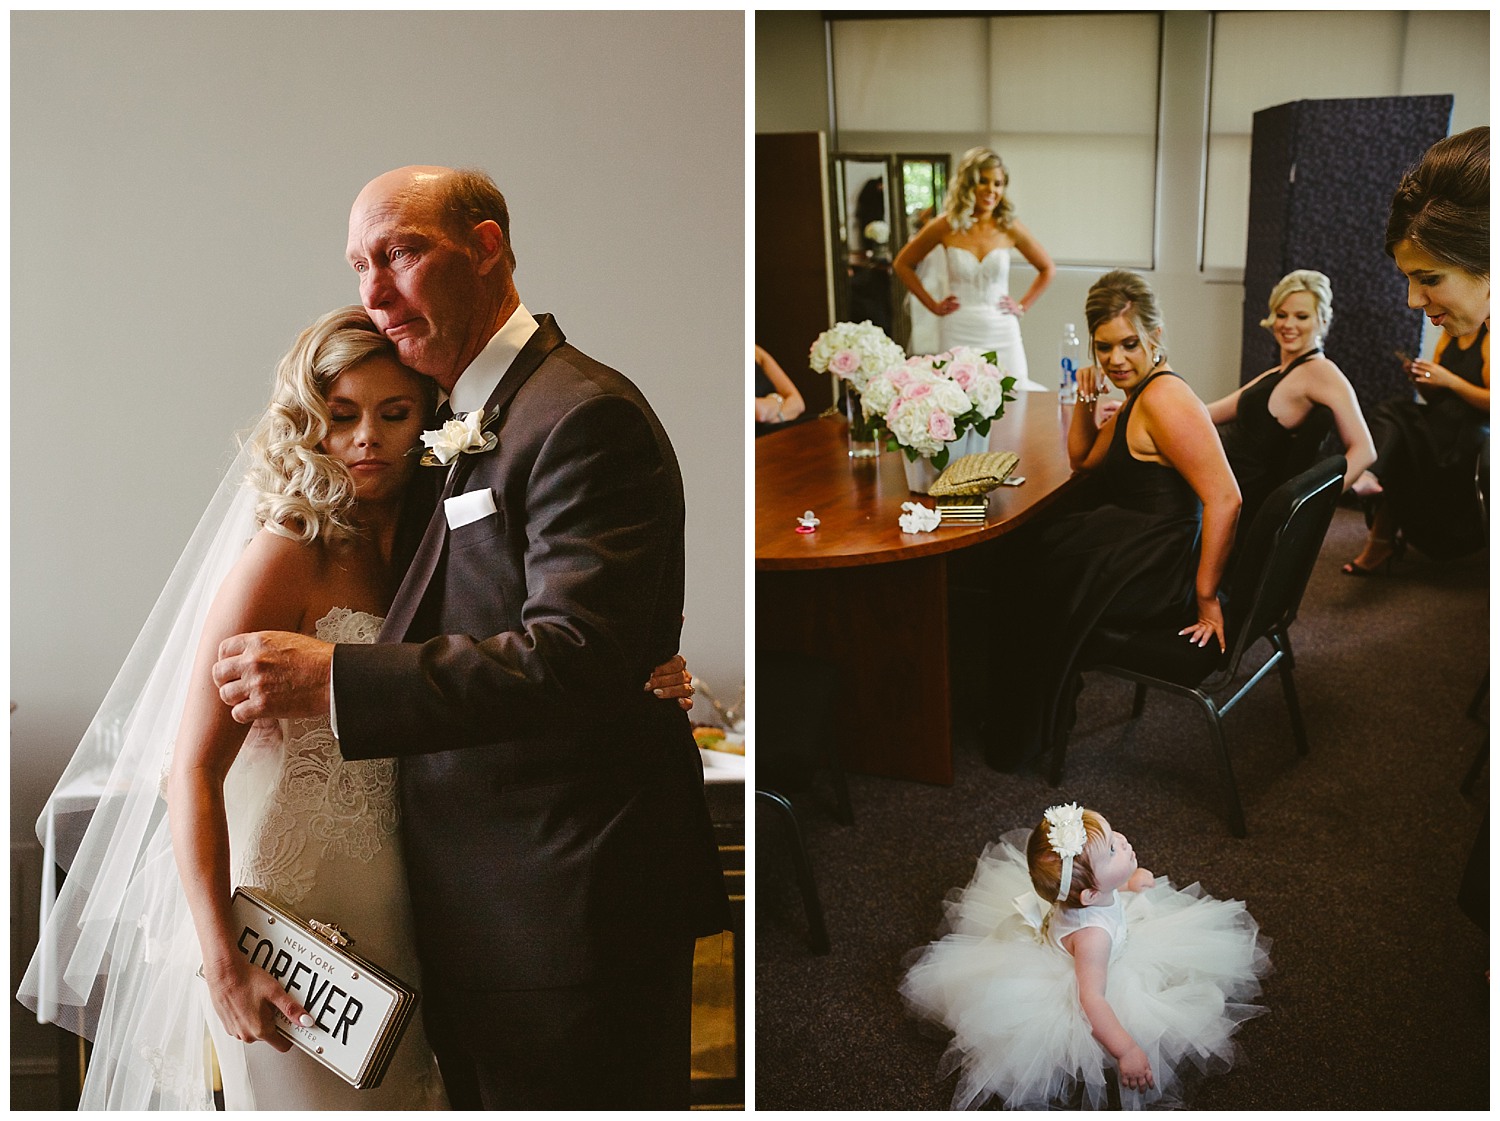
(940, 427)
(899, 378)
(844, 363)
(963, 372)
(922, 389)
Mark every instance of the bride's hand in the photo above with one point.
(947, 307)
(1011, 306)
(247, 999)
(673, 680)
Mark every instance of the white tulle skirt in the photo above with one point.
(1178, 984)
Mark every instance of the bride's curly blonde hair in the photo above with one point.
(958, 206)
(305, 494)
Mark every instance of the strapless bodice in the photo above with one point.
(969, 277)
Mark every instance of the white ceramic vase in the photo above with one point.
(921, 474)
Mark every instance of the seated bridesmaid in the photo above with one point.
(777, 402)
(1422, 484)
(1272, 426)
(1133, 557)
(1422, 481)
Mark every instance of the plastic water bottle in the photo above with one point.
(1072, 355)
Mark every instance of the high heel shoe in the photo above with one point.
(1384, 568)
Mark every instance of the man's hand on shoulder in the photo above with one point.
(274, 674)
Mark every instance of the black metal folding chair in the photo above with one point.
(1263, 593)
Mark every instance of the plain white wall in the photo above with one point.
(181, 184)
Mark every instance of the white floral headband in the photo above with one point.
(1067, 836)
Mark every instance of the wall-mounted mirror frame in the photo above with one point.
(868, 231)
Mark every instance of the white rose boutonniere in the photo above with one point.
(462, 435)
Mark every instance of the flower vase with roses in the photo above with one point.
(939, 407)
(856, 352)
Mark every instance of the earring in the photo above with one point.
(1156, 357)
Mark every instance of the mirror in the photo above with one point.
(870, 231)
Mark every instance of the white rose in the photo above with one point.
(909, 425)
(987, 395)
(950, 397)
(461, 434)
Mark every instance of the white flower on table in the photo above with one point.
(918, 518)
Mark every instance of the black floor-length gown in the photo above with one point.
(1425, 457)
(1128, 560)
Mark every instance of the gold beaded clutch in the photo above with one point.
(975, 474)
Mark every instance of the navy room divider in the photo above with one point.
(1321, 178)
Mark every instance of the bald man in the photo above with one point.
(558, 845)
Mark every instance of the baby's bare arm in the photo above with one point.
(1090, 950)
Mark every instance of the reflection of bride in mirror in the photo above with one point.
(976, 231)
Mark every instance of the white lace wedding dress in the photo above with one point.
(321, 836)
(979, 322)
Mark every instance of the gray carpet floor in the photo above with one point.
(1379, 997)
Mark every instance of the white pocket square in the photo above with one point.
(462, 509)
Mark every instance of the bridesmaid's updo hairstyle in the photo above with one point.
(1314, 284)
(958, 206)
(1046, 865)
(1124, 293)
(1443, 204)
(305, 494)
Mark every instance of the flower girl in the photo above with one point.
(1044, 992)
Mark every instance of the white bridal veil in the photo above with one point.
(118, 958)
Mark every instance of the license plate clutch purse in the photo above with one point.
(359, 1010)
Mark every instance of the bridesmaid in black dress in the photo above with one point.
(1427, 457)
(1272, 427)
(777, 401)
(1423, 481)
(1153, 546)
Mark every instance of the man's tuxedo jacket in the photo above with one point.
(552, 810)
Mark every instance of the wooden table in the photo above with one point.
(871, 599)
